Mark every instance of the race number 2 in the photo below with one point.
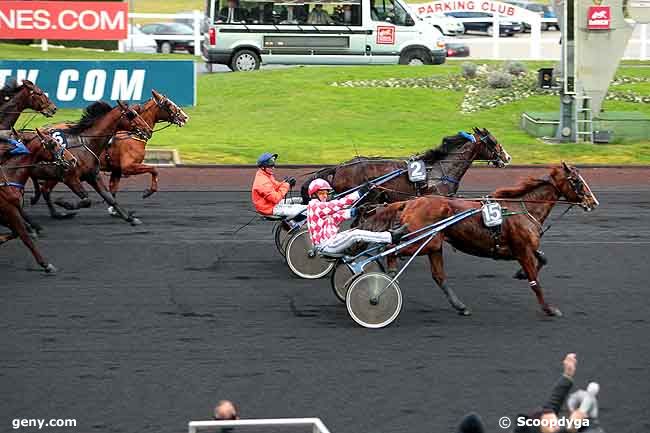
(417, 171)
(492, 215)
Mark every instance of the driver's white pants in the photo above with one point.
(347, 238)
(289, 207)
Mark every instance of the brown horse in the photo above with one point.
(446, 165)
(14, 172)
(517, 239)
(87, 139)
(14, 99)
(125, 155)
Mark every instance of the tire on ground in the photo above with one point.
(415, 55)
(245, 61)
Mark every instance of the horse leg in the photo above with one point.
(440, 277)
(37, 192)
(136, 169)
(17, 225)
(529, 264)
(33, 227)
(46, 190)
(113, 186)
(541, 262)
(391, 266)
(98, 184)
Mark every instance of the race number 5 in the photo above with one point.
(492, 215)
(59, 136)
(417, 171)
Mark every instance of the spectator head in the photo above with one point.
(225, 410)
(232, 4)
(471, 424)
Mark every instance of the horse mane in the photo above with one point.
(522, 187)
(90, 115)
(449, 144)
(9, 90)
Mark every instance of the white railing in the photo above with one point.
(315, 423)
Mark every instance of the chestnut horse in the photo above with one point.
(87, 139)
(446, 165)
(14, 172)
(517, 239)
(125, 155)
(14, 99)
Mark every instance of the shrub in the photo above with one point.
(515, 68)
(499, 80)
(469, 69)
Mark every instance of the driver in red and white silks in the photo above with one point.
(324, 218)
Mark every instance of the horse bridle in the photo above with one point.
(174, 115)
(486, 140)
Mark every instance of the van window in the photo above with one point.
(274, 12)
(390, 11)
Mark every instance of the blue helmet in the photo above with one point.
(267, 159)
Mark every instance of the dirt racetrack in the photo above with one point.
(145, 328)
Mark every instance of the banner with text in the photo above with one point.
(63, 20)
(77, 83)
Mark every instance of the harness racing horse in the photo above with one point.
(14, 99)
(125, 155)
(446, 165)
(87, 139)
(14, 172)
(517, 238)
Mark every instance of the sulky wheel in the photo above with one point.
(372, 301)
(280, 235)
(342, 275)
(302, 262)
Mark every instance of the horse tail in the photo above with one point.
(326, 173)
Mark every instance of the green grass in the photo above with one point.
(297, 113)
(24, 52)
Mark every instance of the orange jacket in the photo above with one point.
(267, 192)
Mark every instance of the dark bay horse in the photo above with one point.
(87, 139)
(14, 99)
(519, 234)
(14, 172)
(125, 155)
(446, 165)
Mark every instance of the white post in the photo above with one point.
(496, 32)
(644, 42)
(44, 46)
(197, 32)
(535, 39)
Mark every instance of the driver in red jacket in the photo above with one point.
(269, 195)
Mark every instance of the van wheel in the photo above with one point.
(489, 30)
(245, 61)
(166, 48)
(415, 57)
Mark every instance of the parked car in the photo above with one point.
(447, 25)
(139, 42)
(166, 46)
(544, 11)
(506, 27)
(456, 49)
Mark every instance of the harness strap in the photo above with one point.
(14, 184)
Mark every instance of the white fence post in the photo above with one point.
(644, 42)
(197, 32)
(496, 33)
(535, 39)
(44, 46)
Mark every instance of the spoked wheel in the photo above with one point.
(280, 234)
(301, 262)
(342, 276)
(372, 301)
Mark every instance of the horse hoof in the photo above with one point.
(112, 212)
(520, 275)
(34, 200)
(147, 193)
(50, 269)
(135, 222)
(553, 311)
(64, 204)
(63, 215)
(465, 312)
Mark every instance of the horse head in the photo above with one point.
(38, 100)
(570, 183)
(491, 149)
(55, 150)
(130, 120)
(170, 111)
